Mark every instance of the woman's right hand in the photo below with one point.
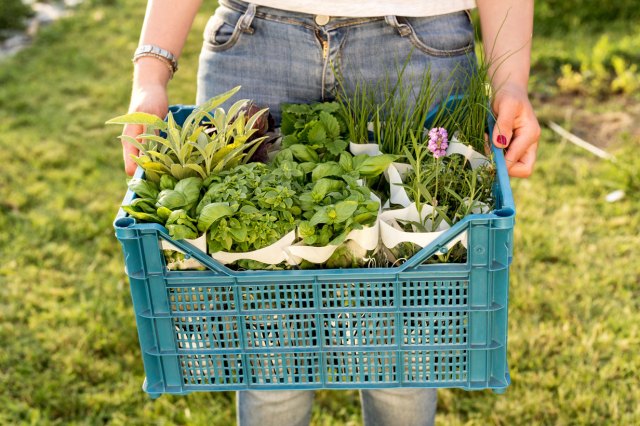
(152, 99)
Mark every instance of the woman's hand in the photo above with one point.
(166, 24)
(151, 99)
(517, 130)
(507, 27)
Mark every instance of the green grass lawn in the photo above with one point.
(69, 350)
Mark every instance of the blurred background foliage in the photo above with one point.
(13, 15)
(557, 17)
(69, 345)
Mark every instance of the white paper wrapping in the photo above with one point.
(274, 254)
(366, 238)
(474, 157)
(199, 243)
(398, 194)
(392, 234)
(186, 264)
(371, 149)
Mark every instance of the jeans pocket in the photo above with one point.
(445, 35)
(222, 30)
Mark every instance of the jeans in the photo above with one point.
(380, 407)
(279, 56)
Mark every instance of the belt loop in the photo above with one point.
(244, 24)
(403, 29)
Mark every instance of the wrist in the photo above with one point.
(149, 71)
(149, 98)
(512, 88)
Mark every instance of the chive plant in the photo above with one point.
(393, 108)
(467, 118)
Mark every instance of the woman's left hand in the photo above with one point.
(517, 130)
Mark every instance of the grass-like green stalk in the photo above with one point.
(356, 108)
(394, 106)
(468, 118)
(397, 106)
(416, 159)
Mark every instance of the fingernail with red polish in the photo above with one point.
(502, 140)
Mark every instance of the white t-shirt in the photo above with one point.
(361, 8)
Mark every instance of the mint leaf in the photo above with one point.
(322, 187)
(339, 239)
(287, 124)
(303, 153)
(321, 216)
(298, 109)
(331, 125)
(330, 168)
(344, 210)
(337, 146)
(305, 229)
(373, 166)
(329, 107)
(317, 134)
(289, 140)
(346, 161)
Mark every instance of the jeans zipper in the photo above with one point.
(325, 49)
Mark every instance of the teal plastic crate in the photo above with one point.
(414, 325)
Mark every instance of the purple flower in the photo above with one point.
(438, 141)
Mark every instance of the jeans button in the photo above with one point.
(322, 19)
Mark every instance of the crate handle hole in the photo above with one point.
(506, 212)
(125, 222)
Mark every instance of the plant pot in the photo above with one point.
(189, 263)
(272, 255)
(366, 239)
(200, 243)
(393, 234)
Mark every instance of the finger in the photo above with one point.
(133, 130)
(503, 130)
(525, 136)
(524, 167)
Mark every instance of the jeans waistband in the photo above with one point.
(299, 18)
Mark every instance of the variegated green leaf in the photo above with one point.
(140, 118)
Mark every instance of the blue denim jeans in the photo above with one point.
(279, 56)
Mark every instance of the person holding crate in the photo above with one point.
(284, 51)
